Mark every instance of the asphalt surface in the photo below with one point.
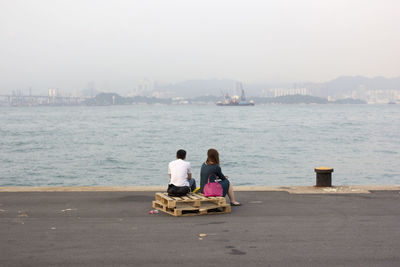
(270, 229)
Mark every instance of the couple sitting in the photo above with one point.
(181, 181)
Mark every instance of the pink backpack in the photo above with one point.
(212, 189)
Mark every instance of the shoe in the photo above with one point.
(236, 204)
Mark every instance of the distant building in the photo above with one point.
(290, 91)
(382, 96)
(145, 88)
(237, 87)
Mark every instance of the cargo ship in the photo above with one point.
(235, 101)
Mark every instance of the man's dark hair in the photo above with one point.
(181, 154)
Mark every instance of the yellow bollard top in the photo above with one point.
(324, 169)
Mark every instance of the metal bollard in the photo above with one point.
(324, 176)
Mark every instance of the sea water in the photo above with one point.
(260, 145)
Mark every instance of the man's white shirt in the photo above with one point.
(179, 170)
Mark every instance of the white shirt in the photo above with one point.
(179, 170)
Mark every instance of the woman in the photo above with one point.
(211, 168)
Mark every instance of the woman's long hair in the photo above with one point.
(212, 157)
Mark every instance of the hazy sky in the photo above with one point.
(66, 44)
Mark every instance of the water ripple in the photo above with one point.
(261, 145)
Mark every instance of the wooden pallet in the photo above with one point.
(190, 205)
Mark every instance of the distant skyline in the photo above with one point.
(115, 44)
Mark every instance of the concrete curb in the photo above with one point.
(353, 189)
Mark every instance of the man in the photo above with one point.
(180, 175)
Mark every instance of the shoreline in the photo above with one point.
(349, 189)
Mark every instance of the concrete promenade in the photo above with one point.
(285, 226)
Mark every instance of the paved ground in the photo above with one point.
(270, 229)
